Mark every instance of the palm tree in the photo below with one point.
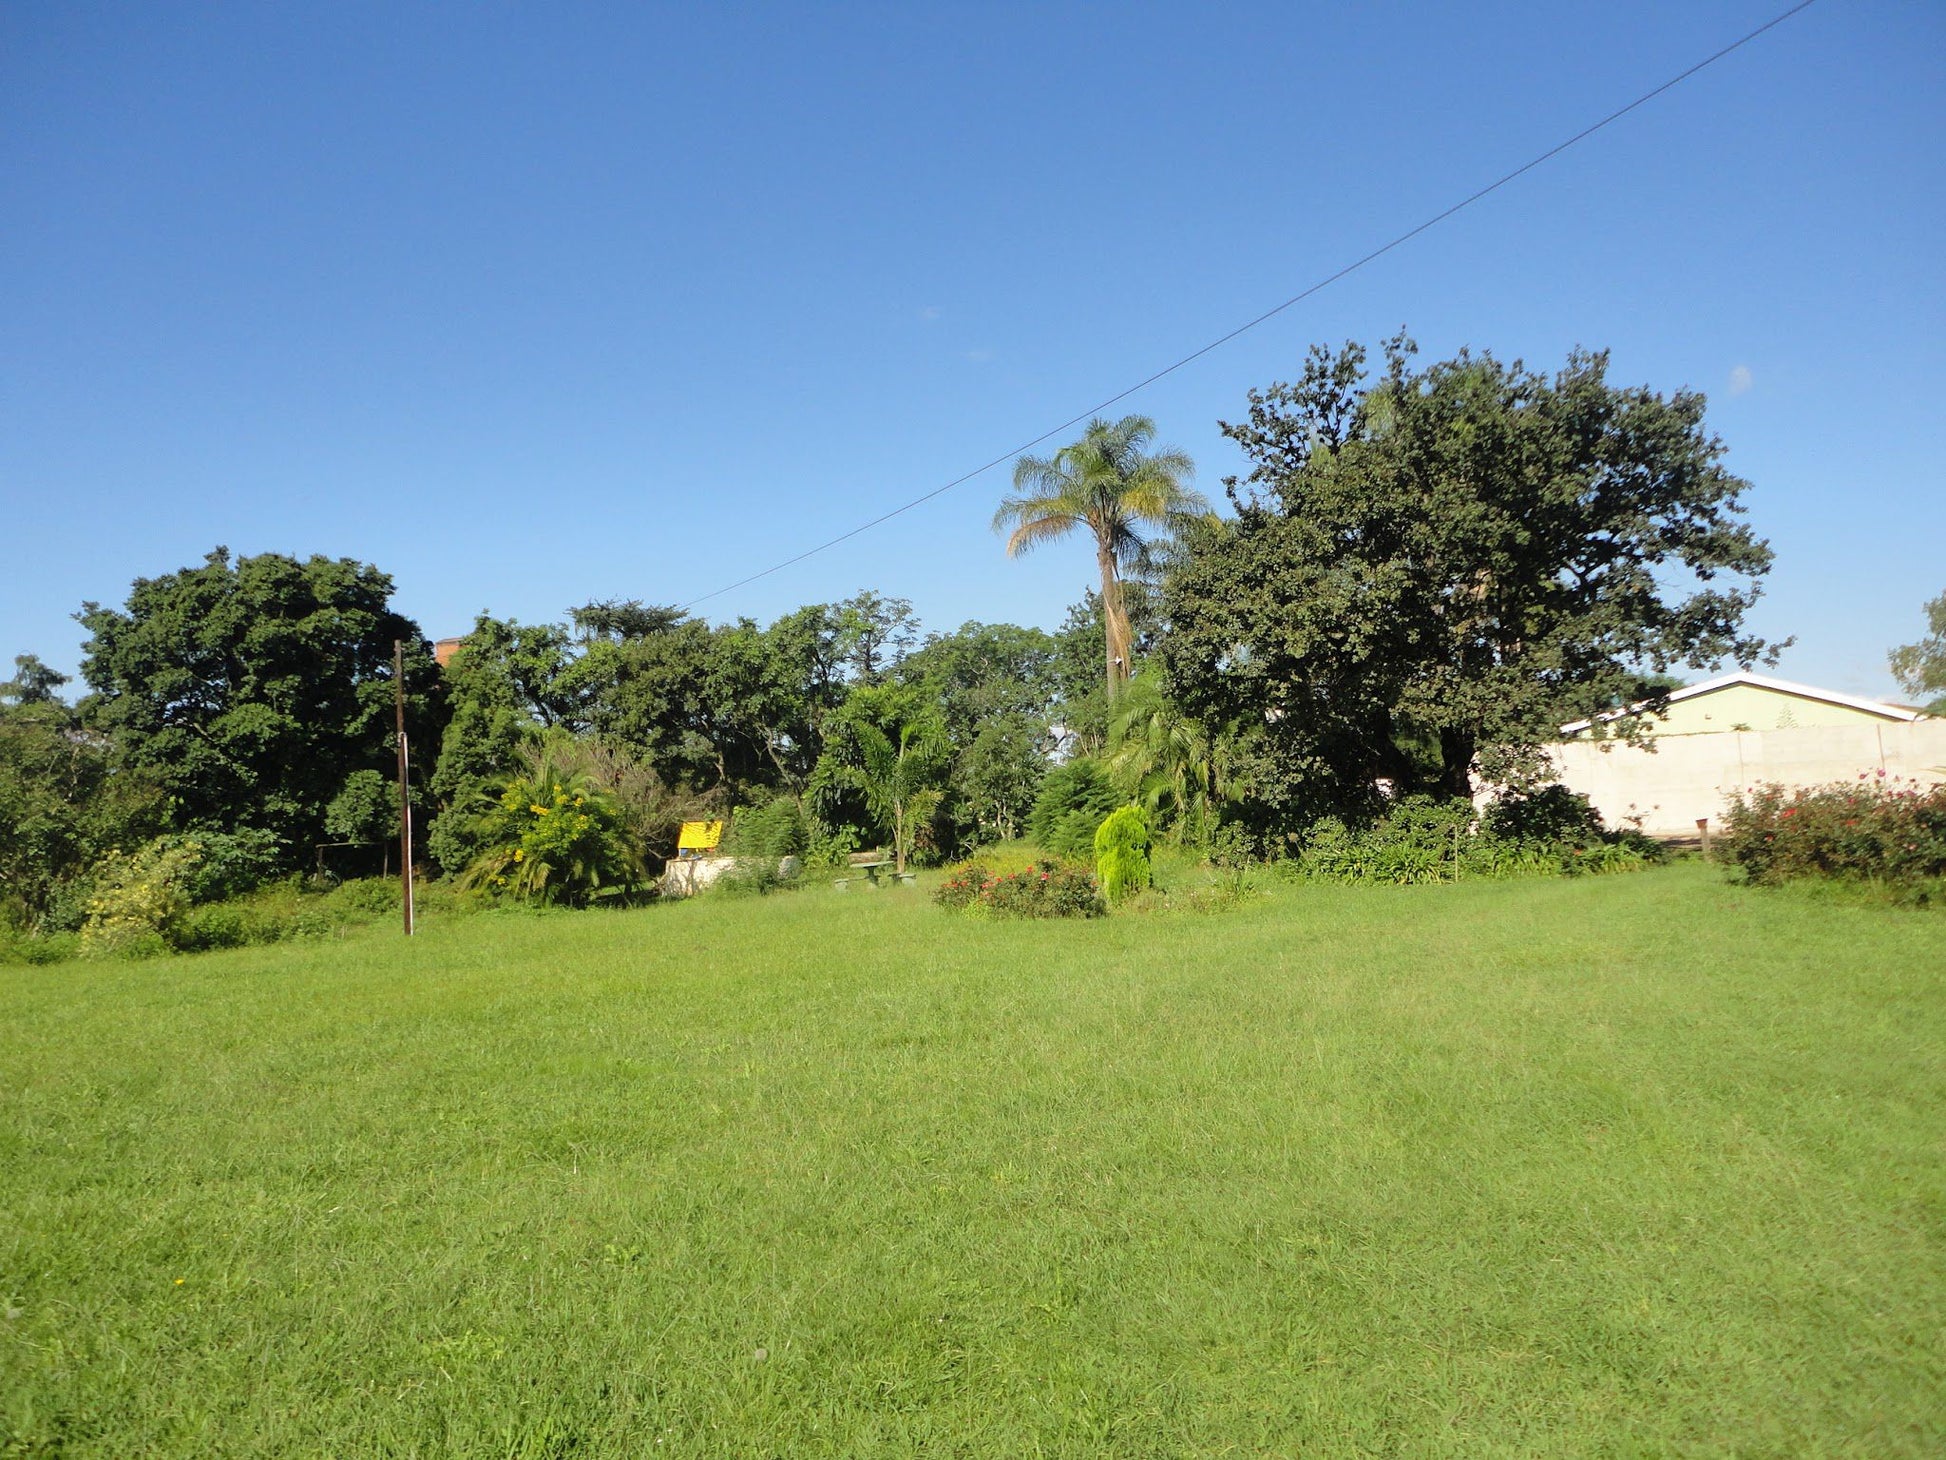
(1109, 483)
(900, 781)
(1164, 761)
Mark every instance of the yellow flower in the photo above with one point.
(520, 854)
(537, 809)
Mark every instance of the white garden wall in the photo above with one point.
(1688, 776)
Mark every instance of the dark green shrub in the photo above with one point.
(139, 911)
(1423, 840)
(367, 895)
(748, 877)
(18, 947)
(272, 915)
(963, 885)
(1053, 890)
(1231, 853)
(1122, 853)
(1075, 798)
(230, 863)
(770, 832)
(830, 849)
(223, 925)
(759, 838)
(67, 905)
(455, 839)
(1420, 840)
(366, 811)
(1547, 815)
(553, 837)
(1877, 828)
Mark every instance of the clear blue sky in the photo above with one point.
(532, 304)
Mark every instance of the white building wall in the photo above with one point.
(1689, 776)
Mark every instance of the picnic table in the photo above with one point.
(870, 864)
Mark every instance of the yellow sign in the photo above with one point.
(699, 836)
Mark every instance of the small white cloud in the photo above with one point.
(979, 357)
(1740, 380)
(930, 313)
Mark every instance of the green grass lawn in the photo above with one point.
(1641, 1165)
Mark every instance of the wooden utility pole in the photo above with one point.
(405, 785)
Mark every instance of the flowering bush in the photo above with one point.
(139, 898)
(553, 838)
(1044, 890)
(1877, 827)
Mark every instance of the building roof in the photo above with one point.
(1900, 714)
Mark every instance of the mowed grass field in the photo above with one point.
(1641, 1165)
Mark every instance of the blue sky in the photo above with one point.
(536, 304)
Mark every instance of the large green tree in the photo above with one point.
(508, 682)
(874, 633)
(1431, 570)
(996, 777)
(252, 689)
(996, 692)
(981, 672)
(1110, 484)
(709, 706)
(67, 796)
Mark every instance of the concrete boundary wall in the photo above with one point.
(1687, 776)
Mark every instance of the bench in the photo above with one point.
(869, 863)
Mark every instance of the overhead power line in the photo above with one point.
(1269, 314)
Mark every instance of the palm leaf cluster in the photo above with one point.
(899, 779)
(553, 836)
(1164, 761)
(1110, 483)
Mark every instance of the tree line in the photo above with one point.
(1423, 571)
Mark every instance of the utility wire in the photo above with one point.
(1268, 314)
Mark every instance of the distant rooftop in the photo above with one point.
(1898, 714)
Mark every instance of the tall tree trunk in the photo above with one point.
(1114, 618)
(1393, 763)
(1456, 749)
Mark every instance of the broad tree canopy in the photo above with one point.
(251, 690)
(1431, 571)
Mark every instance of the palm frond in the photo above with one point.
(1033, 531)
(1045, 476)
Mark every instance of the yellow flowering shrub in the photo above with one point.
(138, 899)
(554, 838)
